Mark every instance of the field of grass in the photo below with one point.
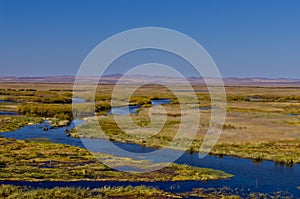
(11, 123)
(19, 192)
(38, 161)
(261, 122)
(23, 192)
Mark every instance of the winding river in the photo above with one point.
(265, 176)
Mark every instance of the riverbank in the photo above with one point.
(38, 161)
(10, 123)
(20, 192)
(281, 151)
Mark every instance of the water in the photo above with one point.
(292, 114)
(78, 100)
(266, 177)
(56, 135)
(127, 110)
(124, 110)
(8, 113)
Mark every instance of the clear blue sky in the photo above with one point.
(257, 38)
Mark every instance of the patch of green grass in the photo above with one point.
(37, 161)
(21, 192)
(286, 152)
(229, 193)
(11, 123)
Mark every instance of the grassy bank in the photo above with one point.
(23, 192)
(18, 192)
(37, 161)
(11, 123)
(258, 148)
(261, 122)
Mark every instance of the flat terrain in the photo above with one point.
(261, 122)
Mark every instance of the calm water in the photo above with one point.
(7, 112)
(264, 177)
(126, 110)
(78, 100)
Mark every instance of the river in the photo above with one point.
(249, 176)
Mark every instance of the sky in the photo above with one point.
(257, 38)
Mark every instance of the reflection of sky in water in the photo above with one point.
(8, 113)
(126, 110)
(264, 176)
(160, 101)
(78, 100)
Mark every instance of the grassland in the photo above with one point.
(18, 192)
(23, 192)
(11, 123)
(261, 122)
(38, 161)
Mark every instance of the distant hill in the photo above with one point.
(229, 81)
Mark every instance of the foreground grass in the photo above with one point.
(229, 193)
(38, 161)
(282, 151)
(18, 192)
(11, 123)
(286, 152)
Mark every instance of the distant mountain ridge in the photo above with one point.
(234, 81)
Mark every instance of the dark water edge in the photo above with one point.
(133, 109)
(173, 187)
(8, 113)
(265, 177)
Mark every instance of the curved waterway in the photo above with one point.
(266, 177)
(133, 109)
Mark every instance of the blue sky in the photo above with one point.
(245, 38)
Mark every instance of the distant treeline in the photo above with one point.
(264, 98)
(32, 95)
(47, 110)
(60, 111)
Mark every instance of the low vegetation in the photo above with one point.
(21, 192)
(261, 122)
(11, 123)
(38, 161)
(229, 193)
